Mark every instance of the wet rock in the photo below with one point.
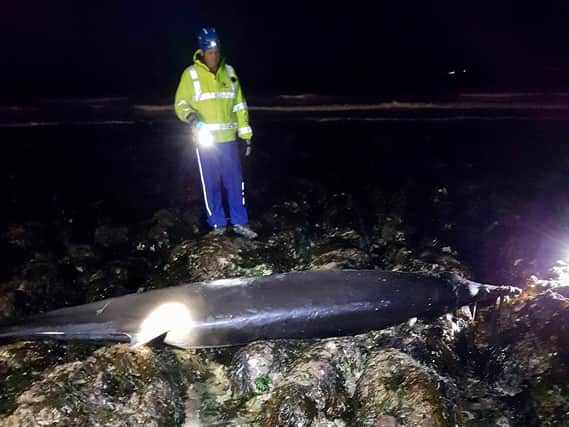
(168, 227)
(19, 236)
(89, 276)
(111, 237)
(343, 258)
(524, 345)
(386, 421)
(343, 237)
(23, 363)
(94, 285)
(257, 367)
(444, 210)
(216, 257)
(156, 238)
(388, 242)
(7, 301)
(405, 260)
(81, 254)
(432, 342)
(38, 285)
(166, 218)
(20, 297)
(339, 210)
(191, 221)
(18, 243)
(111, 281)
(209, 401)
(288, 249)
(285, 215)
(76, 268)
(394, 385)
(113, 386)
(339, 247)
(262, 269)
(317, 388)
(391, 231)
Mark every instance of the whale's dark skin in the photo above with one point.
(309, 304)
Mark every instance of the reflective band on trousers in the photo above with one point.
(220, 126)
(244, 130)
(241, 106)
(203, 183)
(212, 95)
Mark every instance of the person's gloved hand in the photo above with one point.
(195, 123)
(193, 119)
(248, 148)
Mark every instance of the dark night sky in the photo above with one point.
(77, 48)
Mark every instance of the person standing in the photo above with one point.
(210, 99)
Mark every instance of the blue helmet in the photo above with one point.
(207, 38)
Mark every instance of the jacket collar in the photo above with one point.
(199, 63)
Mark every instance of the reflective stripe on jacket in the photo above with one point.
(216, 98)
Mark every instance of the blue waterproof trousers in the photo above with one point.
(219, 165)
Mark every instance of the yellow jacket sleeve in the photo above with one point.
(184, 94)
(244, 130)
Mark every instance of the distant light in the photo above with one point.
(173, 318)
(451, 73)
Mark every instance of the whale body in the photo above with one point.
(295, 305)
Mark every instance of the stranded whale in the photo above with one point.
(308, 304)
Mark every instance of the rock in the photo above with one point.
(432, 342)
(217, 257)
(156, 237)
(167, 228)
(257, 367)
(285, 215)
(36, 287)
(343, 237)
(209, 401)
(523, 349)
(81, 254)
(166, 218)
(343, 258)
(114, 387)
(339, 210)
(191, 220)
(7, 301)
(39, 285)
(19, 236)
(386, 421)
(111, 237)
(112, 281)
(287, 250)
(392, 230)
(23, 363)
(396, 386)
(318, 385)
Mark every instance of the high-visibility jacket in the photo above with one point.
(217, 99)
